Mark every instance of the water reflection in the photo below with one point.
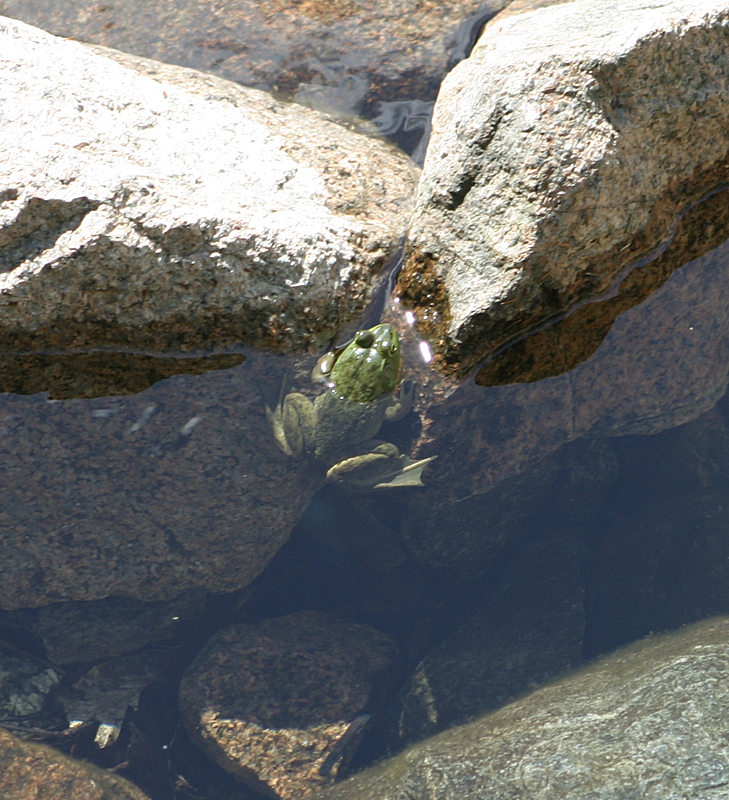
(101, 374)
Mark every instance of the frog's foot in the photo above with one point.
(370, 464)
(292, 422)
(410, 474)
(379, 466)
(402, 404)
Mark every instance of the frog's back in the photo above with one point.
(341, 422)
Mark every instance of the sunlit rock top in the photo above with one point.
(563, 149)
(148, 205)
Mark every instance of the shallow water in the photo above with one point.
(148, 475)
(173, 487)
(371, 58)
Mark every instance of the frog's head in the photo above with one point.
(369, 367)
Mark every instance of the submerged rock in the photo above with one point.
(563, 150)
(30, 771)
(151, 206)
(528, 631)
(648, 720)
(279, 704)
(179, 487)
(339, 54)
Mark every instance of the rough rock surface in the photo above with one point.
(648, 721)
(529, 631)
(152, 206)
(338, 53)
(650, 358)
(178, 487)
(31, 771)
(102, 629)
(562, 151)
(279, 704)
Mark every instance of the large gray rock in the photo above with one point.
(660, 364)
(562, 151)
(651, 357)
(151, 206)
(648, 721)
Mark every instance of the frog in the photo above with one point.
(339, 427)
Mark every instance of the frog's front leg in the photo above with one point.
(293, 422)
(402, 404)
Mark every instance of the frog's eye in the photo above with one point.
(364, 338)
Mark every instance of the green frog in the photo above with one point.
(339, 427)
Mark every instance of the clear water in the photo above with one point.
(121, 468)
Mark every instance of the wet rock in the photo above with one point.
(73, 375)
(551, 169)
(75, 632)
(108, 690)
(145, 496)
(661, 553)
(30, 771)
(464, 539)
(660, 364)
(339, 54)
(528, 632)
(25, 685)
(156, 207)
(648, 719)
(280, 704)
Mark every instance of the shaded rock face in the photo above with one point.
(660, 551)
(528, 632)
(552, 167)
(278, 704)
(464, 539)
(181, 486)
(31, 771)
(77, 632)
(337, 54)
(648, 719)
(151, 206)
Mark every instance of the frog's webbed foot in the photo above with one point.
(290, 418)
(380, 466)
(410, 474)
(366, 466)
